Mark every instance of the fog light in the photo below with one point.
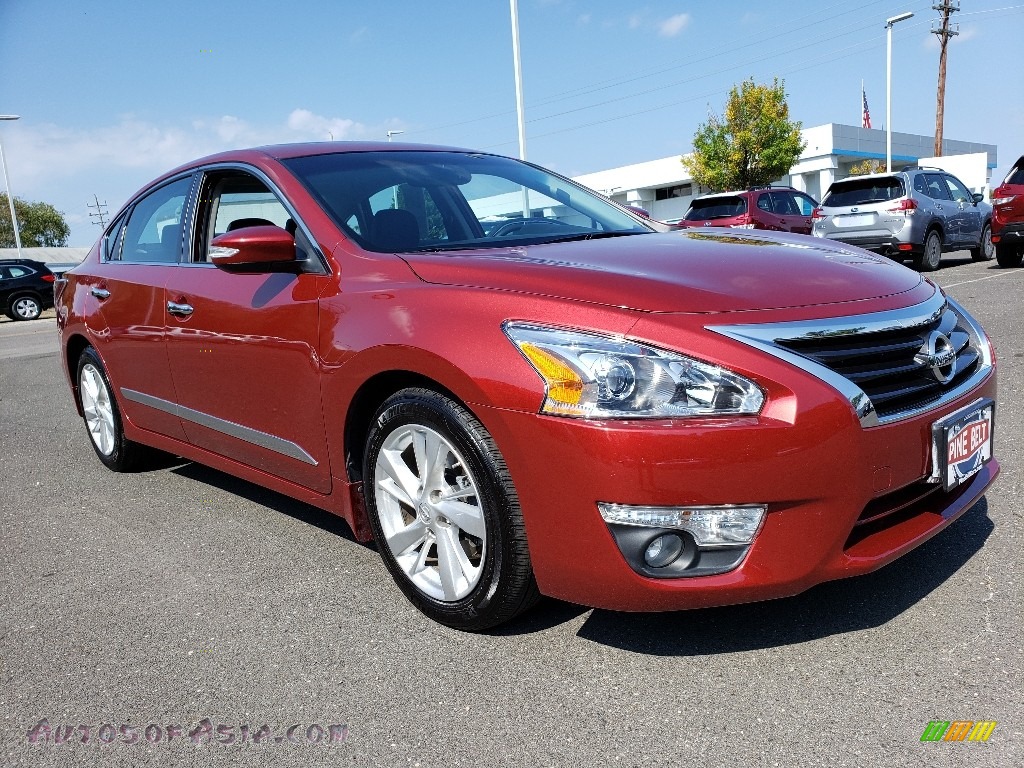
(663, 550)
(725, 526)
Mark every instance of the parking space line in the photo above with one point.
(990, 277)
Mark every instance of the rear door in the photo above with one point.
(140, 252)
(243, 347)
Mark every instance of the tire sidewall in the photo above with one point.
(459, 427)
(117, 460)
(926, 264)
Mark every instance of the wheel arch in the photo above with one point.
(365, 403)
(75, 345)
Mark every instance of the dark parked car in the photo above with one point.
(779, 209)
(26, 288)
(1008, 217)
(917, 213)
(571, 403)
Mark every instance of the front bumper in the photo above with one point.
(806, 456)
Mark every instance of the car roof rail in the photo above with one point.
(921, 168)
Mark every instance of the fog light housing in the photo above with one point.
(673, 542)
(663, 550)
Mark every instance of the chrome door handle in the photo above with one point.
(180, 310)
(100, 293)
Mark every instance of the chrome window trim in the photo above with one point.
(230, 428)
(765, 336)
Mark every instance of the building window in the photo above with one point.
(667, 193)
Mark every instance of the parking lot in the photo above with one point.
(184, 597)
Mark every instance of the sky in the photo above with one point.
(112, 94)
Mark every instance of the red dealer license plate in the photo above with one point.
(963, 442)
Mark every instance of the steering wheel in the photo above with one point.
(519, 224)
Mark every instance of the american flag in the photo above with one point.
(865, 119)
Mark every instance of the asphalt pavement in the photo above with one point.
(183, 597)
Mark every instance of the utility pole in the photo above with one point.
(101, 213)
(947, 8)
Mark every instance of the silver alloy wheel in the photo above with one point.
(988, 248)
(430, 512)
(98, 410)
(27, 308)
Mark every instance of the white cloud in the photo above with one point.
(64, 166)
(673, 25)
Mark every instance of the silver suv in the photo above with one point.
(917, 213)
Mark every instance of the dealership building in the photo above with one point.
(664, 188)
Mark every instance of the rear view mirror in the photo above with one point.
(254, 249)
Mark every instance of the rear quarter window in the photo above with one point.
(863, 191)
(1016, 174)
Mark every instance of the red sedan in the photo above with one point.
(518, 388)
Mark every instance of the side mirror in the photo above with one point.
(255, 249)
(978, 197)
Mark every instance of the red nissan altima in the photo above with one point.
(516, 387)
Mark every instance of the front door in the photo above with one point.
(243, 347)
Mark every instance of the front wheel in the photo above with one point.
(985, 250)
(929, 258)
(444, 512)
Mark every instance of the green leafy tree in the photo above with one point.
(39, 224)
(867, 166)
(754, 144)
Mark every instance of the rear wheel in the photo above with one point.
(25, 307)
(985, 250)
(929, 258)
(444, 512)
(103, 417)
(1009, 255)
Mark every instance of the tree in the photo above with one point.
(867, 166)
(39, 224)
(755, 144)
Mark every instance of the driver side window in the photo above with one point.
(231, 200)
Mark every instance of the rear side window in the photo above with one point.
(716, 208)
(153, 232)
(18, 271)
(1016, 174)
(863, 191)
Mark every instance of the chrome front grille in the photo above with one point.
(890, 365)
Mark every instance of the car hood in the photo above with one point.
(703, 271)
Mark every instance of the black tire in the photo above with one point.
(106, 434)
(931, 254)
(986, 250)
(497, 581)
(1009, 255)
(24, 307)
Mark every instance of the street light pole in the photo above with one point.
(393, 133)
(514, 5)
(7, 186)
(888, 85)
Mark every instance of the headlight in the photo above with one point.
(599, 377)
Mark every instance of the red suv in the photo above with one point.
(782, 209)
(1008, 217)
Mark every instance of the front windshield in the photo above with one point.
(400, 201)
